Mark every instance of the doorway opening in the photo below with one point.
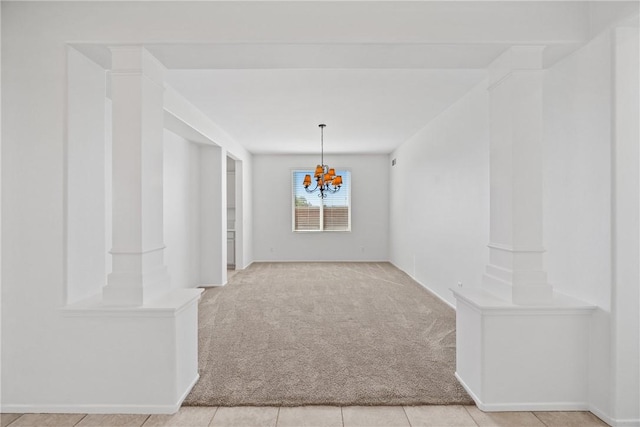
(231, 214)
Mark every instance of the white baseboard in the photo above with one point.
(612, 421)
(535, 406)
(187, 391)
(464, 385)
(88, 409)
(293, 261)
(99, 408)
(523, 406)
(211, 285)
(431, 291)
(604, 417)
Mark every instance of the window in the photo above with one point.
(311, 213)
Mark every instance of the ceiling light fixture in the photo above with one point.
(326, 179)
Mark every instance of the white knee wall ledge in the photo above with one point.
(122, 359)
(523, 358)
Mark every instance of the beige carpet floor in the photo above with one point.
(325, 334)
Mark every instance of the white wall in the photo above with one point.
(244, 213)
(213, 215)
(85, 179)
(181, 210)
(439, 198)
(41, 355)
(578, 220)
(369, 235)
(577, 209)
(0, 194)
(604, 15)
(626, 225)
(186, 118)
(34, 66)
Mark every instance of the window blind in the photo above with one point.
(311, 213)
(336, 206)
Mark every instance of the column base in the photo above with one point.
(127, 288)
(512, 357)
(516, 274)
(521, 294)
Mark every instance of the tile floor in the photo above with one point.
(307, 416)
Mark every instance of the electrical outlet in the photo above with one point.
(459, 284)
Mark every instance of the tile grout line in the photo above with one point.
(9, 425)
(145, 420)
(469, 413)
(539, 419)
(277, 416)
(80, 420)
(406, 415)
(214, 415)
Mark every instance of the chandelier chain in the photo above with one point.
(326, 179)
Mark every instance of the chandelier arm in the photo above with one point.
(312, 190)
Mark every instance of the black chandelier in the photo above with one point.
(326, 179)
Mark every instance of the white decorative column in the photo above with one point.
(519, 345)
(137, 86)
(213, 215)
(515, 271)
(141, 332)
(625, 317)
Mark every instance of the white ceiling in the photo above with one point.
(365, 110)
(268, 73)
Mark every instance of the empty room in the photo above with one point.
(320, 213)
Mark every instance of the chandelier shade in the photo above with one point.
(326, 179)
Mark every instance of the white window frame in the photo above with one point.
(315, 194)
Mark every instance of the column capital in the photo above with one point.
(136, 60)
(514, 59)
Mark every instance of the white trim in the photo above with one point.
(607, 419)
(317, 261)
(612, 421)
(138, 73)
(507, 248)
(431, 291)
(169, 305)
(464, 385)
(534, 406)
(523, 406)
(89, 409)
(141, 252)
(211, 285)
(99, 408)
(509, 74)
(489, 304)
(245, 267)
(187, 391)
